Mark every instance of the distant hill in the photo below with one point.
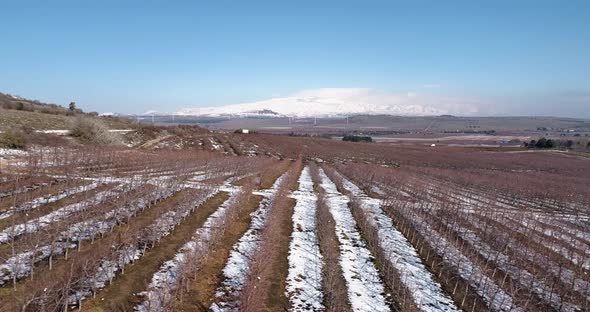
(329, 102)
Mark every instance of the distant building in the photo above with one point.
(245, 131)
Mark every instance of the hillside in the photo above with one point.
(25, 123)
(17, 112)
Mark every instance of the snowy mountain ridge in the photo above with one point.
(325, 103)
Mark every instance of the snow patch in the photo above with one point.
(365, 288)
(304, 280)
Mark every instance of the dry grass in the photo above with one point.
(14, 119)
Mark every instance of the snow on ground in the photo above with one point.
(304, 281)
(35, 225)
(563, 225)
(577, 256)
(238, 265)
(564, 241)
(24, 189)
(530, 225)
(164, 281)
(21, 264)
(9, 153)
(365, 288)
(567, 276)
(159, 229)
(496, 297)
(44, 200)
(506, 264)
(216, 146)
(427, 293)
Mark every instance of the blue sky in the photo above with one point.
(514, 57)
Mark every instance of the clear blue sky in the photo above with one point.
(131, 56)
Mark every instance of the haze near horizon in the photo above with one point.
(457, 57)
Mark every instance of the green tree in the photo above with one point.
(541, 143)
(72, 106)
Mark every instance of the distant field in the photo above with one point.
(402, 125)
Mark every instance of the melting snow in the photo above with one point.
(304, 281)
(238, 265)
(165, 280)
(365, 288)
(427, 293)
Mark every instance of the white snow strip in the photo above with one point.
(304, 280)
(494, 295)
(567, 276)
(236, 270)
(25, 189)
(525, 278)
(579, 257)
(22, 264)
(365, 288)
(47, 199)
(37, 224)
(9, 153)
(427, 293)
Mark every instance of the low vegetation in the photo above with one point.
(91, 131)
(357, 138)
(12, 139)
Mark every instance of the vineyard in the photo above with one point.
(232, 222)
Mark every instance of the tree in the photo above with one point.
(542, 143)
(549, 143)
(72, 106)
(357, 138)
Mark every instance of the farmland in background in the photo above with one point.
(184, 219)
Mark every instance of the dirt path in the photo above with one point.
(155, 141)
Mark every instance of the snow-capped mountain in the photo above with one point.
(330, 102)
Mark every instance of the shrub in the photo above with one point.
(357, 138)
(13, 140)
(92, 131)
(541, 143)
